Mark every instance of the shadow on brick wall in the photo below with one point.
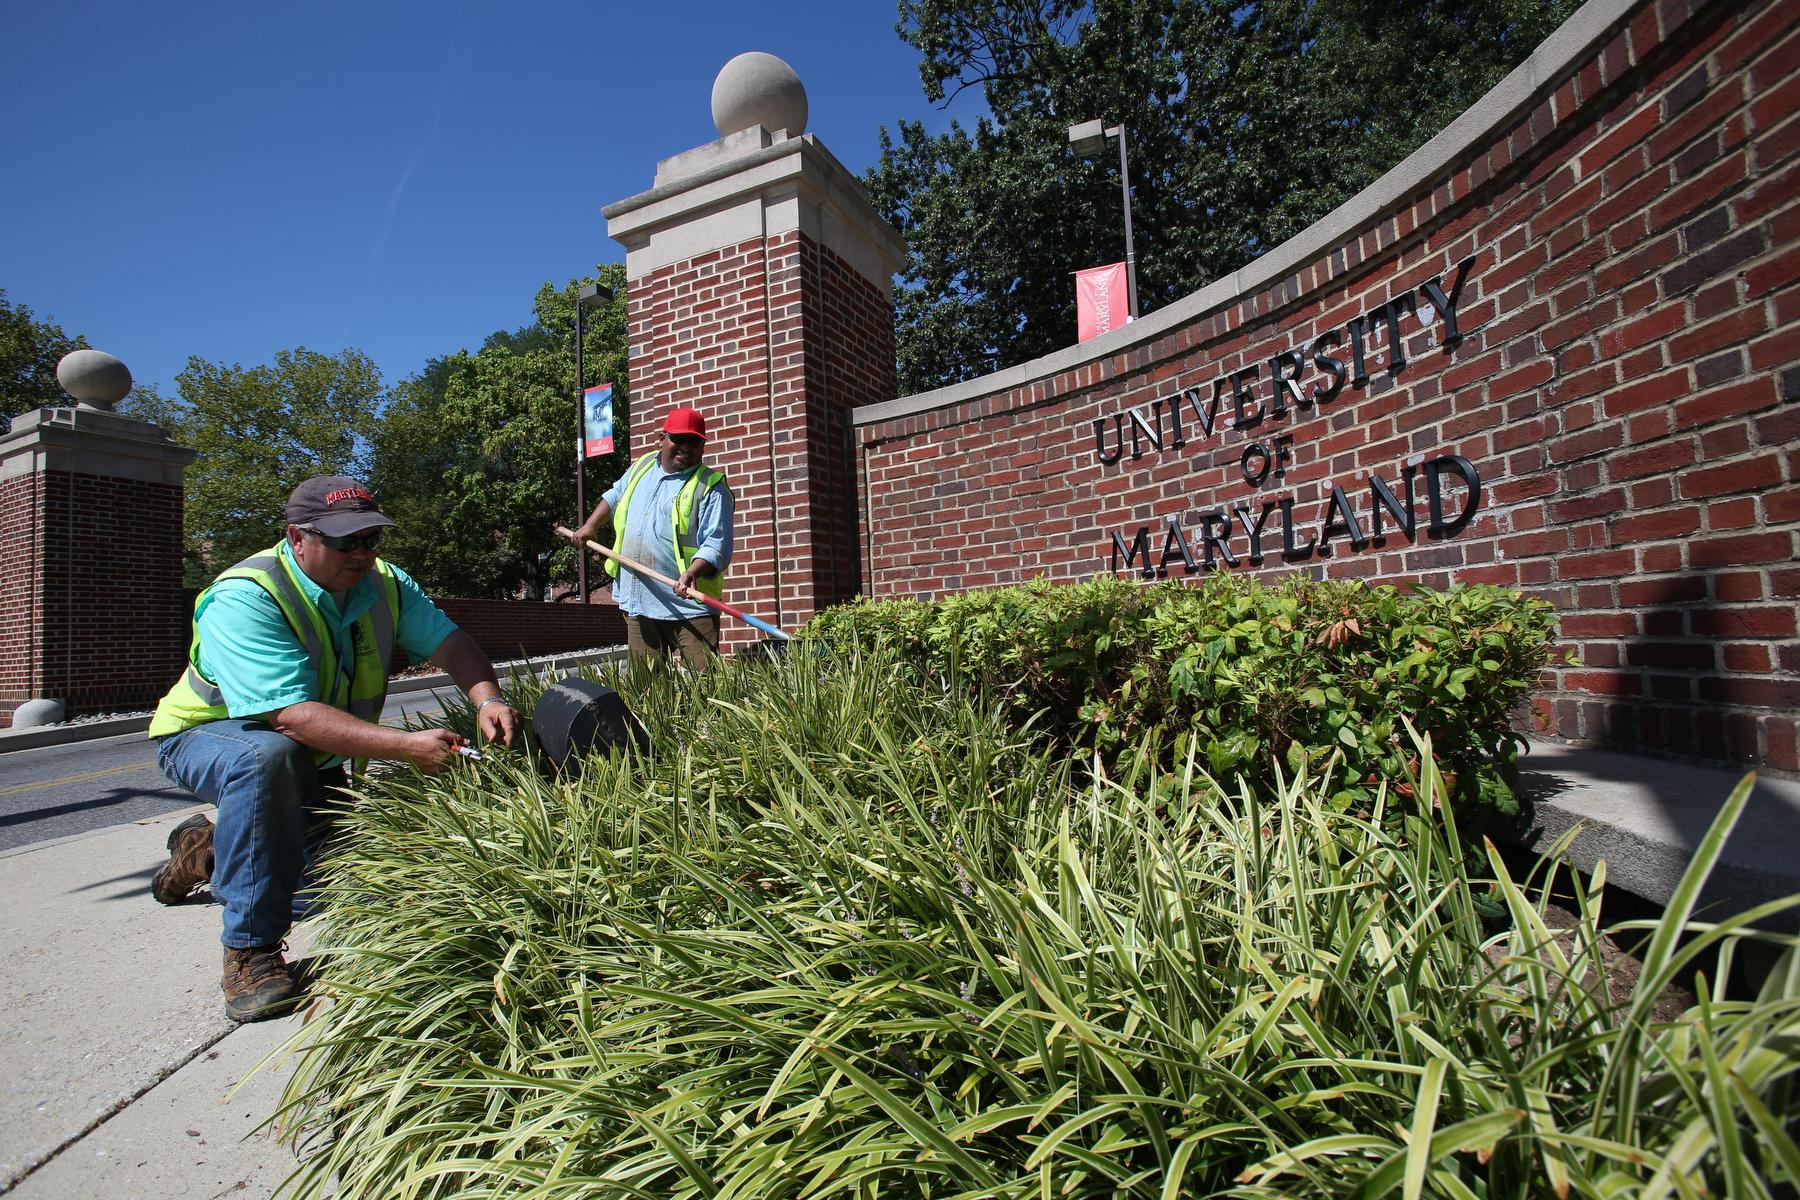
(1699, 679)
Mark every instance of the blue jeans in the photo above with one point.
(275, 810)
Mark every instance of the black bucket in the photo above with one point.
(577, 716)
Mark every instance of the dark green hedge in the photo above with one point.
(1256, 679)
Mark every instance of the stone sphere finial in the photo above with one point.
(758, 89)
(94, 377)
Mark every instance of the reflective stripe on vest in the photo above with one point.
(361, 691)
(685, 510)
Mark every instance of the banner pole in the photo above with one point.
(581, 555)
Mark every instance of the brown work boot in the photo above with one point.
(190, 861)
(257, 983)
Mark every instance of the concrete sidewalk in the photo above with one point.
(120, 1073)
(119, 1066)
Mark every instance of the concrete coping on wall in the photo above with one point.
(83, 731)
(1561, 52)
(91, 441)
(730, 178)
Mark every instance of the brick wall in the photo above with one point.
(509, 629)
(94, 563)
(710, 333)
(19, 553)
(850, 344)
(1618, 248)
(775, 339)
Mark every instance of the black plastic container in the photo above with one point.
(577, 716)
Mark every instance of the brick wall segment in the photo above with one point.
(98, 593)
(1623, 385)
(793, 332)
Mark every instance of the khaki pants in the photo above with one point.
(696, 639)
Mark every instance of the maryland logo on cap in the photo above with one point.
(335, 505)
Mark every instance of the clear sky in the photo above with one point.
(230, 179)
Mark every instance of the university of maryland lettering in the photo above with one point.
(1266, 401)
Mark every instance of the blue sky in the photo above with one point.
(229, 180)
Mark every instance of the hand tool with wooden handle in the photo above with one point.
(702, 597)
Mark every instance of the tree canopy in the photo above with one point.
(29, 352)
(259, 431)
(474, 455)
(1245, 123)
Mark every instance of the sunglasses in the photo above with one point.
(344, 543)
(685, 439)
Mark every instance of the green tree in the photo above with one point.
(29, 352)
(1247, 122)
(259, 431)
(475, 456)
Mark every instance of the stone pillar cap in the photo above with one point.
(94, 377)
(757, 89)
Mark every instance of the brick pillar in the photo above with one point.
(92, 612)
(759, 281)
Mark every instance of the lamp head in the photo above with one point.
(1088, 139)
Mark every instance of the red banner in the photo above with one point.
(1100, 301)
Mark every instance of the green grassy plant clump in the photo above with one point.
(843, 934)
(1257, 680)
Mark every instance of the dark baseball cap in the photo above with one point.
(334, 505)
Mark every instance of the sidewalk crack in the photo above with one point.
(112, 1111)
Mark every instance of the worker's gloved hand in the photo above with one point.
(431, 750)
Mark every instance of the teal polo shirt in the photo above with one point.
(248, 649)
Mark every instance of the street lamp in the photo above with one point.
(1088, 139)
(591, 294)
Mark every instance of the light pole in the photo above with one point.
(590, 295)
(1088, 139)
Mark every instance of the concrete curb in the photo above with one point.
(1645, 817)
(175, 816)
(57, 735)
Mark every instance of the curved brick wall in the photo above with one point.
(509, 629)
(1555, 349)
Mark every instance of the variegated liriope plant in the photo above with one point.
(844, 933)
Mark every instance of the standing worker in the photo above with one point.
(286, 679)
(673, 513)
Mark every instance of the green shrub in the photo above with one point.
(1260, 680)
(842, 935)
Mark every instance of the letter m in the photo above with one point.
(1140, 548)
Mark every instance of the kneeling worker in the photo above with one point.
(286, 678)
(673, 513)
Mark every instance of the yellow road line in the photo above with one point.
(17, 788)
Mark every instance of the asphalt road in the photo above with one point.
(56, 791)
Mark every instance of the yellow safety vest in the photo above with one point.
(687, 512)
(195, 699)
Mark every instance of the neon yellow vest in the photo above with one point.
(687, 512)
(361, 692)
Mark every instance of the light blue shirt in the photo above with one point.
(649, 538)
(250, 651)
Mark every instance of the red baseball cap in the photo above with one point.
(686, 420)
